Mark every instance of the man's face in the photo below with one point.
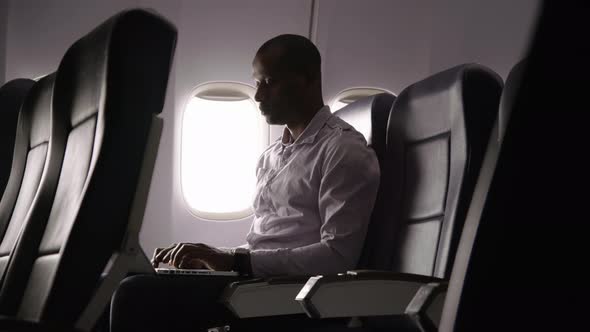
(279, 92)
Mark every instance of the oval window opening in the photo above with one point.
(223, 134)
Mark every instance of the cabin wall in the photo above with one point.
(493, 33)
(39, 32)
(393, 43)
(379, 43)
(3, 26)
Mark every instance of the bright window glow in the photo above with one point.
(337, 105)
(221, 143)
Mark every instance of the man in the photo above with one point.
(316, 187)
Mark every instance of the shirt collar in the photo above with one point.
(310, 132)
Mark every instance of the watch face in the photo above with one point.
(242, 261)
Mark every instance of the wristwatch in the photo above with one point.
(242, 261)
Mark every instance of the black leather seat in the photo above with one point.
(35, 168)
(12, 95)
(369, 116)
(437, 136)
(528, 265)
(462, 267)
(109, 87)
(479, 242)
(524, 262)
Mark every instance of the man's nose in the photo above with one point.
(259, 96)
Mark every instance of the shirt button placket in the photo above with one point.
(285, 156)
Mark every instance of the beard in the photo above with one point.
(274, 115)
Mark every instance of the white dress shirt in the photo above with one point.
(313, 202)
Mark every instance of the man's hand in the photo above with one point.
(194, 256)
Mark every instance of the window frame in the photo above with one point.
(221, 91)
(350, 95)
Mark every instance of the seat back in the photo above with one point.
(436, 137)
(369, 116)
(35, 167)
(109, 86)
(462, 282)
(12, 95)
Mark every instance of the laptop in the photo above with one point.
(202, 272)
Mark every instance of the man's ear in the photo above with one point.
(299, 83)
(301, 79)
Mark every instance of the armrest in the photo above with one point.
(264, 297)
(426, 307)
(362, 293)
(10, 324)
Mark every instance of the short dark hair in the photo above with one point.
(297, 54)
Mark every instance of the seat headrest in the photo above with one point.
(110, 61)
(510, 91)
(451, 89)
(369, 116)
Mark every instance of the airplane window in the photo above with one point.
(348, 96)
(223, 134)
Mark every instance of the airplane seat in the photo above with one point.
(38, 153)
(437, 134)
(369, 116)
(110, 86)
(12, 95)
(522, 265)
(433, 301)
(465, 271)
(511, 88)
